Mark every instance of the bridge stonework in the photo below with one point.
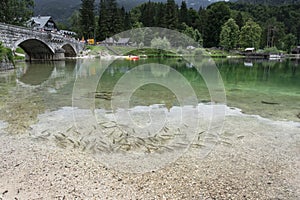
(39, 45)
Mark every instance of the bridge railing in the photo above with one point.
(29, 31)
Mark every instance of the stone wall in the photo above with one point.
(5, 64)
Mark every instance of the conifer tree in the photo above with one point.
(113, 18)
(127, 21)
(216, 15)
(16, 12)
(171, 15)
(160, 18)
(183, 13)
(87, 17)
(103, 31)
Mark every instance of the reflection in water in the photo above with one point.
(36, 74)
(29, 94)
(246, 87)
(160, 72)
(49, 86)
(267, 81)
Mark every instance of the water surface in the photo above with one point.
(270, 89)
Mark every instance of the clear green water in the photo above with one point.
(270, 89)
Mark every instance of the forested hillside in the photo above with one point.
(269, 2)
(223, 24)
(58, 9)
(62, 10)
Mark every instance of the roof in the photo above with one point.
(39, 21)
(296, 50)
(250, 49)
(123, 40)
(109, 40)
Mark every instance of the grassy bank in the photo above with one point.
(150, 52)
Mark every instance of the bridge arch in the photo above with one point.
(36, 49)
(70, 51)
(39, 45)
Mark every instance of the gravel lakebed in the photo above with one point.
(254, 158)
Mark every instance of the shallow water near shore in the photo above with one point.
(269, 89)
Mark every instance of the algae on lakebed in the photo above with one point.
(20, 110)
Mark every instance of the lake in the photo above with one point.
(270, 89)
(167, 100)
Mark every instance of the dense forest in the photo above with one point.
(230, 25)
(62, 10)
(222, 24)
(16, 11)
(269, 2)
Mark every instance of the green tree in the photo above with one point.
(193, 18)
(250, 35)
(127, 21)
(229, 35)
(183, 13)
(16, 12)
(137, 33)
(192, 33)
(160, 44)
(122, 14)
(147, 10)
(103, 24)
(115, 23)
(135, 15)
(201, 25)
(87, 18)
(74, 21)
(111, 19)
(171, 15)
(6, 54)
(160, 17)
(273, 33)
(216, 15)
(289, 41)
(239, 20)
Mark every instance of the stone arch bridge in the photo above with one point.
(39, 45)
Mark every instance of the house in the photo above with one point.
(42, 23)
(109, 41)
(123, 41)
(296, 50)
(250, 50)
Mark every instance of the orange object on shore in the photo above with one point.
(134, 58)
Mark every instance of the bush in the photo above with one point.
(6, 53)
(271, 50)
(200, 52)
(160, 43)
(19, 50)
